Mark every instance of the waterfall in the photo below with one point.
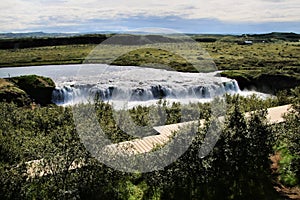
(72, 94)
(137, 85)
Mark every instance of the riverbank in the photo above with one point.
(24, 90)
(267, 82)
(270, 64)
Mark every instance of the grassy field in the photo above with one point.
(272, 63)
(257, 56)
(226, 55)
(69, 54)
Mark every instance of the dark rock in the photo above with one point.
(271, 83)
(263, 82)
(38, 88)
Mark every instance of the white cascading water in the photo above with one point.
(134, 84)
(70, 94)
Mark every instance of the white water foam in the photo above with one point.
(129, 85)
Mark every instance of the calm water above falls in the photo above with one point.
(135, 85)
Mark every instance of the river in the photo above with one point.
(129, 84)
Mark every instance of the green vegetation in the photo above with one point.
(288, 144)
(155, 58)
(11, 93)
(237, 168)
(272, 58)
(259, 56)
(24, 90)
(71, 54)
(32, 81)
(273, 53)
(227, 55)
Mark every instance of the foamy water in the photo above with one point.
(128, 86)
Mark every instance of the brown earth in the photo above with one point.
(287, 192)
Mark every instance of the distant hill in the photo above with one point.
(41, 39)
(121, 39)
(29, 42)
(35, 35)
(289, 37)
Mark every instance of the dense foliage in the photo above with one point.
(238, 167)
(288, 143)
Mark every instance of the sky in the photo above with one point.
(188, 16)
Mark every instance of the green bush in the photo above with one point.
(238, 167)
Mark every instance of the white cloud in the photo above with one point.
(29, 14)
